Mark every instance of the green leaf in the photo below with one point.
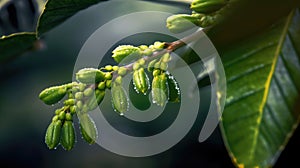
(15, 44)
(263, 88)
(57, 11)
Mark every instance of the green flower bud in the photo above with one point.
(57, 111)
(122, 71)
(70, 85)
(88, 92)
(88, 128)
(159, 90)
(53, 94)
(182, 22)
(157, 65)
(85, 108)
(143, 47)
(62, 115)
(152, 47)
(166, 57)
(108, 84)
(79, 105)
(118, 80)
(101, 85)
(94, 101)
(55, 118)
(68, 135)
(69, 117)
(78, 95)
(75, 89)
(108, 68)
(147, 52)
(156, 72)
(69, 102)
(151, 65)
(119, 98)
(115, 68)
(207, 6)
(136, 66)
(82, 87)
(163, 66)
(159, 45)
(108, 76)
(90, 75)
(73, 110)
(70, 95)
(140, 81)
(141, 62)
(125, 50)
(52, 137)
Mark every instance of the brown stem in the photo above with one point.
(170, 47)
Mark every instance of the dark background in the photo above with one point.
(24, 118)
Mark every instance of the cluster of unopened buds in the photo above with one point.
(143, 61)
(92, 84)
(204, 14)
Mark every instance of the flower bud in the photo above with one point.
(67, 135)
(62, 115)
(159, 90)
(125, 50)
(163, 66)
(95, 100)
(73, 110)
(81, 87)
(119, 98)
(108, 68)
(53, 94)
(90, 75)
(79, 105)
(136, 66)
(147, 52)
(108, 84)
(69, 102)
(88, 128)
(156, 72)
(151, 65)
(118, 80)
(122, 71)
(52, 137)
(158, 45)
(88, 92)
(141, 62)
(166, 57)
(143, 47)
(115, 68)
(140, 81)
(69, 117)
(182, 22)
(101, 85)
(108, 76)
(78, 95)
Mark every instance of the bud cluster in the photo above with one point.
(89, 90)
(204, 14)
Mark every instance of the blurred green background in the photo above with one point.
(24, 118)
